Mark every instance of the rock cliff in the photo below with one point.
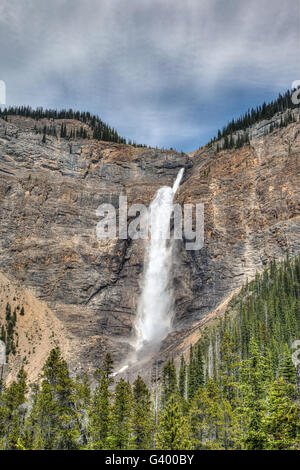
(49, 193)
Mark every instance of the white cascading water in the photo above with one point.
(154, 318)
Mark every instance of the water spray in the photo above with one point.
(155, 308)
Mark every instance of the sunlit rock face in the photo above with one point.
(49, 194)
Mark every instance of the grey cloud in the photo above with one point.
(146, 66)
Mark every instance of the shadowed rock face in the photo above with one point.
(49, 194)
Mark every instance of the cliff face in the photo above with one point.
(49, 194)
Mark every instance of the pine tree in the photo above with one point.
(15, 394)
(82, 399)
(281, 423)
(198, 365)
(142, 418)
(227, 366)
(55, 413)
(108, 367)
(255, 378)
(11, 410)
(173, 432)
(191, 377)
(169, 382)
(212, 421)
(99, 415)
(182, 378)
(287, 369)
(121, 422)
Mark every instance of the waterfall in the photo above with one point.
(154, 316)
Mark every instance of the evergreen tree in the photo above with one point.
(11, 412)
(191, 384)
(108, 367)
(281, 423)
(198, 365)
(255, 379)
(121, 423)
(287, 369)
(169, 382)
(99, 416)
(173, 432)
(55, 412)
(182, 378)
(212, 421)
(142, 418)
(227, 367)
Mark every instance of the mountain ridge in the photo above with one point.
(49, 194)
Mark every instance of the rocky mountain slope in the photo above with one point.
(84, 291)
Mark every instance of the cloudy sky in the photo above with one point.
(163, 72)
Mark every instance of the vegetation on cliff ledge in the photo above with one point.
(99, 129)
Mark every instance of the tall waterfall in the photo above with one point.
(154, 317)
